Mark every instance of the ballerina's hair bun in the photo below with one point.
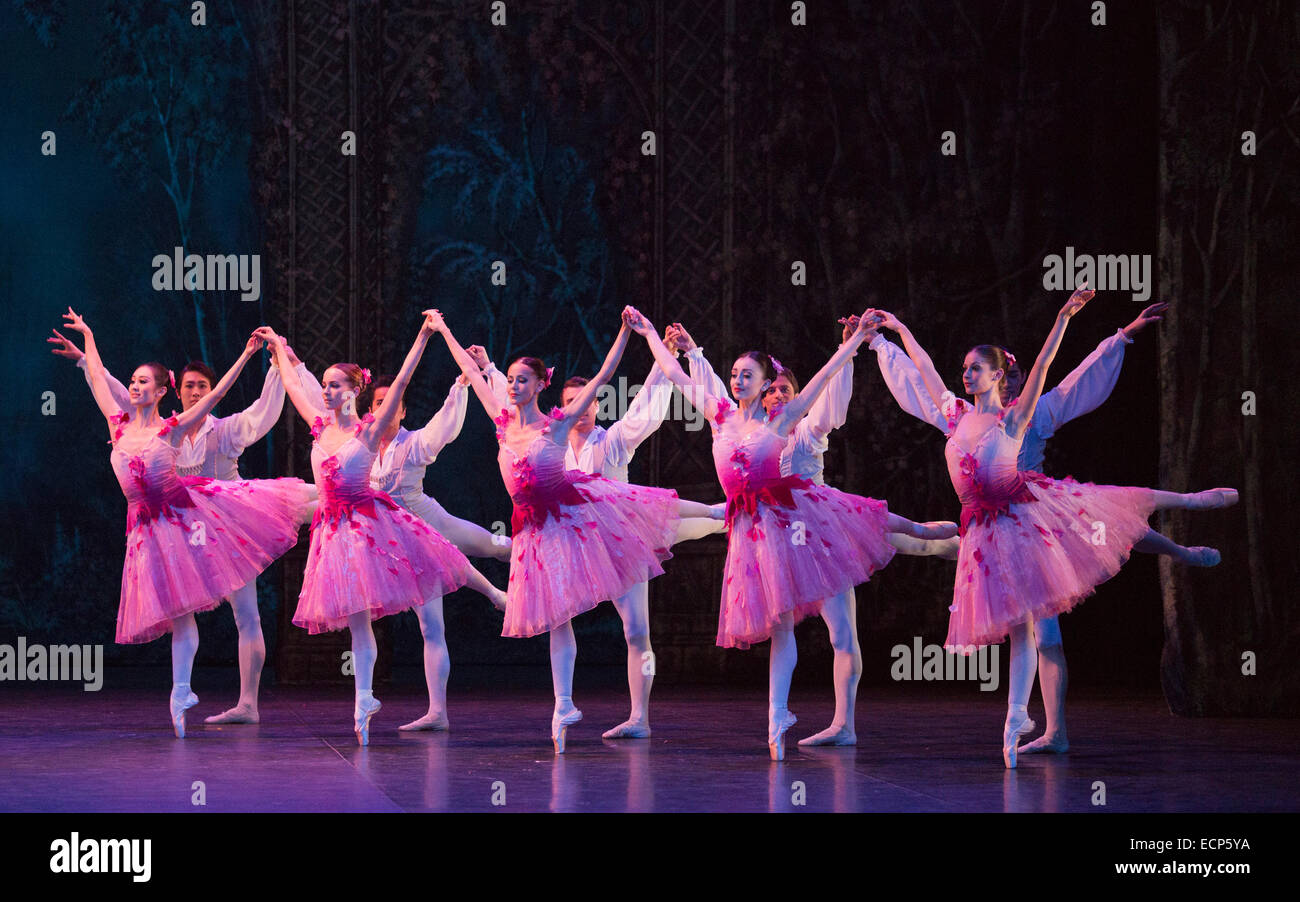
(354, 374)
(541, 370)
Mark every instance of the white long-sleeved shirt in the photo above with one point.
(805, 449)
(399, 469)
(214, 449)
(1081, 392)
(608, 452)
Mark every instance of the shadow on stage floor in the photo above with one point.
(919, 749)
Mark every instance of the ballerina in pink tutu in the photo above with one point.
(803, 456)
(791, 543)
(1031, 546)
(578, 538)
(369, 558)
(212, 448)
(191, 541)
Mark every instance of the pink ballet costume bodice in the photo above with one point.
(988, 479)
(1031, 546)
(192, 541)
(577, 539)
(791, 543)
(367, 552)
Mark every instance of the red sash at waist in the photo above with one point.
(364, 504)
(533, 505)
(986, 508)
(140, 513)
(777, 492)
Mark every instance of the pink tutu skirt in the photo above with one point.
(373, 555)
(1041, 558)
(206, 541)
(791, 545)
(584, 553)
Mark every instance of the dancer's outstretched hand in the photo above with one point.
(1082, 295)
(63, 347)
(75, 322)
(1144, 319)
(636, 322)
(433, 322)
(479, 355)
(684, 340)
(266, 334)
(883, 319)
(672, 338)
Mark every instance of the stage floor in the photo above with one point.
(67, 750)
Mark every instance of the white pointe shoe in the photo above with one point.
(560, 728)
(718, 511)
(937, 530)
(1011, 734)
(179, 705)
(1202, 556)
(364, 710)
(1213, 498)
(776, 731)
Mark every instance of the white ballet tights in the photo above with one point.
(840, 614)
(473, 540)
(564, 652)
(690, 528)
(437, 661)
(364, 653)
(634, 609)
(252, 647)
(185, 644)
(784, 655)
(1024, 665)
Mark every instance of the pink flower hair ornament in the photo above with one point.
(171, 379)
(550, 372)
(776, 365)
(365, 377)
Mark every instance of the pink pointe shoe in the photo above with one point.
(776, 730)
(1018, 723)
(560, 728)
(361, 714)
(180, 703)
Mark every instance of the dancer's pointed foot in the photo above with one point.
(361, 714)
(498, 599)
(778, 722)
(629, 729)
(181, 701)
(560, 723)
(937, 529)
(1212, 498)
(237, 714)
(1201, 556)
(718, 511)
(1018, 723)
(1054, 744)
(832, 735)
(431, 721)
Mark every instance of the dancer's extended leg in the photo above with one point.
(696, 509)
(634, 608)
(437, 666)
(840, 614)
(473, 540)
(1193, 556)
(934, 529)
(252, 656)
